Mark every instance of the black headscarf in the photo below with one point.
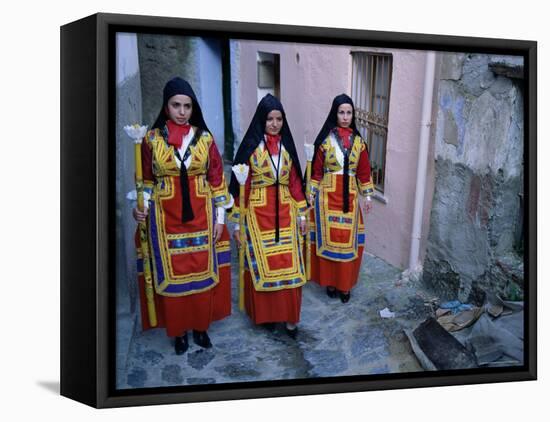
(252, 138)
(330, 124)
(179, 86)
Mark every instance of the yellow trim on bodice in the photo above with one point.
(261, 250)
(169, 250)
(331, 163)
(262, 170)
(164, 158)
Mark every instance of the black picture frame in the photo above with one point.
(87, 263)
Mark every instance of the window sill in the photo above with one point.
(379, 196)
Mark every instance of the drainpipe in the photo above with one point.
(425, 124)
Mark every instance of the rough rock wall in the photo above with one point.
(128, 111)
(160, 59)
(474, 244)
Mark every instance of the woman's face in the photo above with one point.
(274, 122)
(344, 115)
(179, 109)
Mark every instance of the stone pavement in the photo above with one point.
(334, 339)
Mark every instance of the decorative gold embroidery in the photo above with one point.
(166, 174)
(326, 218)
(262, 171)
(366, 189)
(263, 246)
(170, 277)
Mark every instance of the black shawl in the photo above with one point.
(252, 138)
(330, 124)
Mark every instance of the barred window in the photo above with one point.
(370, 88)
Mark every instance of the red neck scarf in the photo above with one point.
(176, 133)
(272, 143)
(344, 134)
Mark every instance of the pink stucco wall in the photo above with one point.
(389, 225)
(308, 85)
(307, 89)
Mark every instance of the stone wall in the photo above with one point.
(474, 243)
(161, 57)
(128, 111)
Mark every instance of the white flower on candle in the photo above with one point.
(309, 149)
(136, 132)
(241, 173)
(133, 195)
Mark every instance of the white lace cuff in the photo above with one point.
(220, 215)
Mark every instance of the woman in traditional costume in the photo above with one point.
(274, 219)
(188, 241)
(340, 174)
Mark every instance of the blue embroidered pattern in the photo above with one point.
(281, 283)
(157, 259)
(336, 219)
(190, 286)
(221, 198)
(286, 240)
(224, 257)
(188, 242)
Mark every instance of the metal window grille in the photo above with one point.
(370, 88)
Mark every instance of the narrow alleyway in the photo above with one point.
(334, 339)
